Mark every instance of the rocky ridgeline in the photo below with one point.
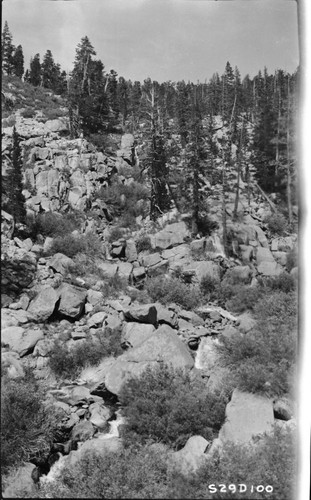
(42, 304)
(62, 173)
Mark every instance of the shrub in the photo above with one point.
(28, 113)
(284, 282)
(209, 286)
(164, 405)
(276, 224)
(167, 290)
(143, 243)
(68, 363)
(264, 360)
(206, 225)
(115, 233)
(140, 296)
(112, 287)
(273, 461)
(291, 260)
(136, 472)
(53, 224)
(237, 298)
(123, 198)
(243, 298)
(27, 424)
(71, 245)
(143, 472)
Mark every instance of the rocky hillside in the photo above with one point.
(90, 301)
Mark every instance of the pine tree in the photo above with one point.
(48, 71)
(18, 62)
(7, 50)
(156, 163)
(228, 92)
(87, 99)
(35, 71)
(14, 182)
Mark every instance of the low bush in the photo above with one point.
(71, 245)
(123, 198)
(143, 243)
(68, 363)
(291, 260)
(28, 113)
(272, 462)
(136, 472)
(284, 282)
(140, 296)
(237, 298)
(276, 223)
(243, 298)
(143, 472)
(206, 225)
(112, 287)
(264, 360)
(164, 405)
(209, 287)
(53, 224)
(27, 424)
(115, 233)
(167, 290)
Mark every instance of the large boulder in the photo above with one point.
(72, 300)
(201, 268)
(130, 250)
(191, 457)
(166, 316)
(11, 317)
(125, 270)
(108, 269)
(20, 340)
(171, 235)
(22, 484)
(43, 305)
(266, 264)
(60, 263)
(82, 431)
(162, 345)
(146, 313)
(100, 415)
(247, 415)
(135, 334)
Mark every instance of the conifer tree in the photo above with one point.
(14, 182)
(18, 62)
(156, 163)
(87, 99)
(48, 70)
(7, 50)
(35, 71)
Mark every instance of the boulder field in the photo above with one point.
(44, 304)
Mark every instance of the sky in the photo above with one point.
(161, 39)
